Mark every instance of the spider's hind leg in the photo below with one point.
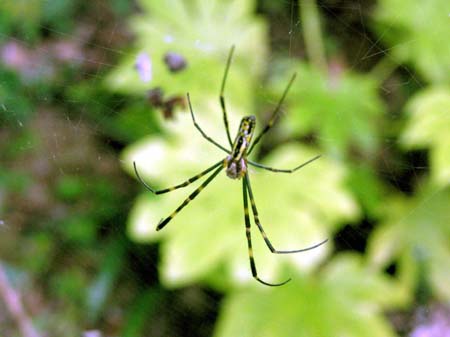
(249, 240)
(263, 233)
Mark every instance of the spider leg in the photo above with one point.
(249, 240)
(200, 129)
(274, 116)
(170, 189)
(191, 197)
(263, 233)
(282, 170)
(221, 97)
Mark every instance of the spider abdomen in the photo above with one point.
(235, 169)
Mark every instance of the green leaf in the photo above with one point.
(143, 307)
(202, 32)
(342, 110)
(15, 107)
(428, 127)
(79, 229)
(67, 284)
(22, 18)
(367, 188)
(59, 15)
(416, 33)
(70, 187)
(345, 299)
(416, 231)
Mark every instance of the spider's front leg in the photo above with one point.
(170, 189)
(191, 197)
(283, 170)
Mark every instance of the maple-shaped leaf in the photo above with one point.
(428, 127)
(344, 299)
(297, 210)
(342, 110)
(416, 235)
(200, 33)
(415, 32)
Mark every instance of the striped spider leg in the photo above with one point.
(236, 167)
(247, 190)
(222, 98)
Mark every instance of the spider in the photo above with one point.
(236, 167)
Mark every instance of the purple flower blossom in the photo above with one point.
(175, 62)
(14, 56)
(437, 324)
(144, 67)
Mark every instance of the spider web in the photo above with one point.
(61, 149)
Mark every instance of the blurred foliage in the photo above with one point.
(312, 306)
(20, 17)
(15, 104)
(341, 109)
(428, 127)
(189, 29)
(416, 230)
(75, 94)
(416, 33)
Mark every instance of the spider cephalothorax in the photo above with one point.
(235, 164)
